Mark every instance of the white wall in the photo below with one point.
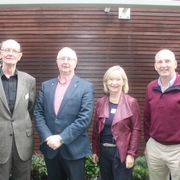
(92, 3)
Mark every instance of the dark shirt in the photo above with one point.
(10, 88)
(106, 134)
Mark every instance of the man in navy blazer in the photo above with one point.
(62, 114)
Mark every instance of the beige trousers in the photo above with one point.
(163, 159)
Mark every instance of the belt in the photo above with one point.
(108, 145)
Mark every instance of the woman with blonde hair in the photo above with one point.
(116, 129)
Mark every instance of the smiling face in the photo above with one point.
(115, 82)
(66, 61)
(10, 53)
(165, 64)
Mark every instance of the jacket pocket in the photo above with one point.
(29, 132)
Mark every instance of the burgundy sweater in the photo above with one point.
(162, 113)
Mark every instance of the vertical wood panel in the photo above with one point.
(100, 39)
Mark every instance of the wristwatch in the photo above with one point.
(61, 141)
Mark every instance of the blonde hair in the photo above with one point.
(108, 73)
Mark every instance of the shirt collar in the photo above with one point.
(2, 73)
(170, 83)
(67, 80)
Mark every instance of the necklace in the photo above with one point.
(114, 100)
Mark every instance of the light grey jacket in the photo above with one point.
(18, 125)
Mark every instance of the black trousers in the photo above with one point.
(62, 169)
(111, 167)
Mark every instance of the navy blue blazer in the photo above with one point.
(71, 122)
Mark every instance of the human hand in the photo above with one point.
(144, 151)
(129, 161)
(53, 141)
(95, 158)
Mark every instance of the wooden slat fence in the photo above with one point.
(100, 39)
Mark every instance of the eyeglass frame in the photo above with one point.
(11, 50)
(63, 58)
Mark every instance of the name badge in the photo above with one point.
(113, 111)
(27, 96)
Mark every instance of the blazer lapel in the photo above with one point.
(20, 88)
(104, 113)
(123, 110)
(52, 92)
(71, 88)
(3, 96)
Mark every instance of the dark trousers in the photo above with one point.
(62, 169)
(111, 167)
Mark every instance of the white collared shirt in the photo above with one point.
(170, 83)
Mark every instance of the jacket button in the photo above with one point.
(10, 134)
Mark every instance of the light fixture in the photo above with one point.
(107, 9)
(124, 13)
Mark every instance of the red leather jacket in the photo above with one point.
(126, 125)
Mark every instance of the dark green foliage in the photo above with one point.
(140, 171)
(38, 167)
(92, 170)
(39, 170)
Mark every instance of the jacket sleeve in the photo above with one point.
(32, 97)
(39, 116)
(135, 129)
(95, 135)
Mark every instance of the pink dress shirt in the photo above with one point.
(60, 91)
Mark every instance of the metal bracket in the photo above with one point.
(124, 13)
(107, 9)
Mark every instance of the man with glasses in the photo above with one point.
(17, 98)
(62, 114)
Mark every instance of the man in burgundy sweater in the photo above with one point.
(162, 119)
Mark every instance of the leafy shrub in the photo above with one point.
(38, 167)
(39, 170)
(91, 170)
(140, 171)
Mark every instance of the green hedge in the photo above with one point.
(39, 171)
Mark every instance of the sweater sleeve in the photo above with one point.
(147, 118)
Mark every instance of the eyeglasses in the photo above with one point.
(15, 52)
(66, 58)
